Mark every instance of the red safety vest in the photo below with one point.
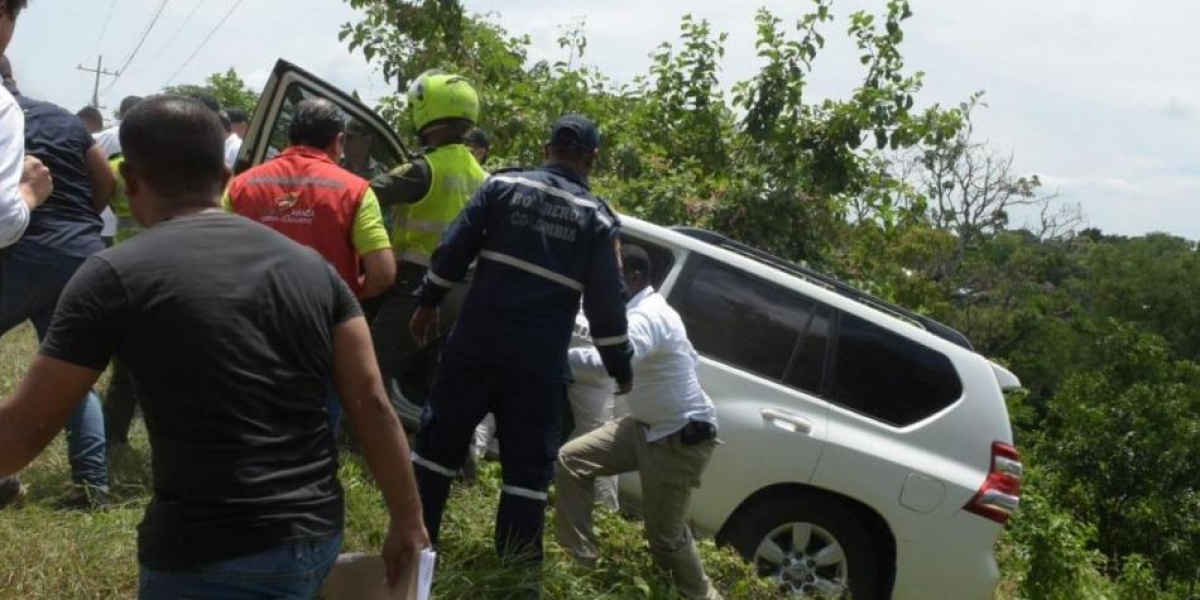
(305, 196)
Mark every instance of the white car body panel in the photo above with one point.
(917, 478)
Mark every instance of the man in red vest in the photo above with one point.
(305, 195)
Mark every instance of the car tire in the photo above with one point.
(837, 558)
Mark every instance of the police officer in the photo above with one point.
(542, 240)
(425, 196)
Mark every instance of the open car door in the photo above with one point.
(372, 146)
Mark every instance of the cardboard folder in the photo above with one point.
(360, 576)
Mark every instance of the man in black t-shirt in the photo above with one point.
(232, 333)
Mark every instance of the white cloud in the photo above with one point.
(1097, 94)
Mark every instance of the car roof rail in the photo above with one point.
(813, 276)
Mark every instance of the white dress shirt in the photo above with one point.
(666, 392)
(14, 214)
(109, 140)
(233, 145)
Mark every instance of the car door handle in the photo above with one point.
(787, 421)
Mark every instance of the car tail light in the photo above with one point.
(1000, 494)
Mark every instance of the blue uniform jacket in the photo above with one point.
(542, 241)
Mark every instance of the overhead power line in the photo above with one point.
(171, 39)
(203, 43)
(104, 28)
(142, 40)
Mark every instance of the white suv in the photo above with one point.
(867, 449)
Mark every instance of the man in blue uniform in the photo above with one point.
(542, 240)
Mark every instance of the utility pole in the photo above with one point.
(99, 70)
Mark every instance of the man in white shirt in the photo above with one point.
(668, 436)
(238, 124)
(109, 139)
(24, 181)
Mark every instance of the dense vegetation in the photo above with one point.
(900, 199)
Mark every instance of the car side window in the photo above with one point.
(365, 154)
(807, 369)
(889, 377)
(739, 319)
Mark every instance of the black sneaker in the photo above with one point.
(10, 490)
(83, 497)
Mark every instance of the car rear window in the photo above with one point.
(885, 375)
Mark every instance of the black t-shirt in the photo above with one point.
(226, 326)
(67, 222)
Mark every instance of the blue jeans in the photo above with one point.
(291, 572)
(31, 279)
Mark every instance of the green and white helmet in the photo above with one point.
(436, 96)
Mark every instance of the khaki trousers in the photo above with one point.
(668, 469)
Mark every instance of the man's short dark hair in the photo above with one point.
(237, 115)
(90, 114)
(479, 138)
(177, 146)
(316, 122)
(127, 105)
(13, 7)
(635, 258)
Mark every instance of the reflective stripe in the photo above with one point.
(424, 226)
(313, 181)
(611, 341)
(604, 218)
(529, 267)
(525, 493)
(553, 191)
(446, 283)
(412, 256)
(432, 466)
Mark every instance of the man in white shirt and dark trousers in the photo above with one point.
(669, 436)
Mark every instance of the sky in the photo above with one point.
(1097, 97)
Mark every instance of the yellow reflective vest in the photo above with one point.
(454, 177)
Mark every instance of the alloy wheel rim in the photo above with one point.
(805, 560)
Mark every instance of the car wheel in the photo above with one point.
(814, 547)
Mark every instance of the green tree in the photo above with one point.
(228, 89)
(1121, 448)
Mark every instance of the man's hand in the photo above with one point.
(402, 547)
(424, 325)
(36, 184)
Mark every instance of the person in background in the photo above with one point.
(306, 196)
(109, 139)
(592, 405)
(120, 399)
(92, 119)
(61, 234)
(477, 140)
(239, 120)
(238, 123)
(24, 181)
(543, 242)
(425, 196)
(202, 307)
(668, 437)
(116, 224)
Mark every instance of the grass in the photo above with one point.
(47, 553)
